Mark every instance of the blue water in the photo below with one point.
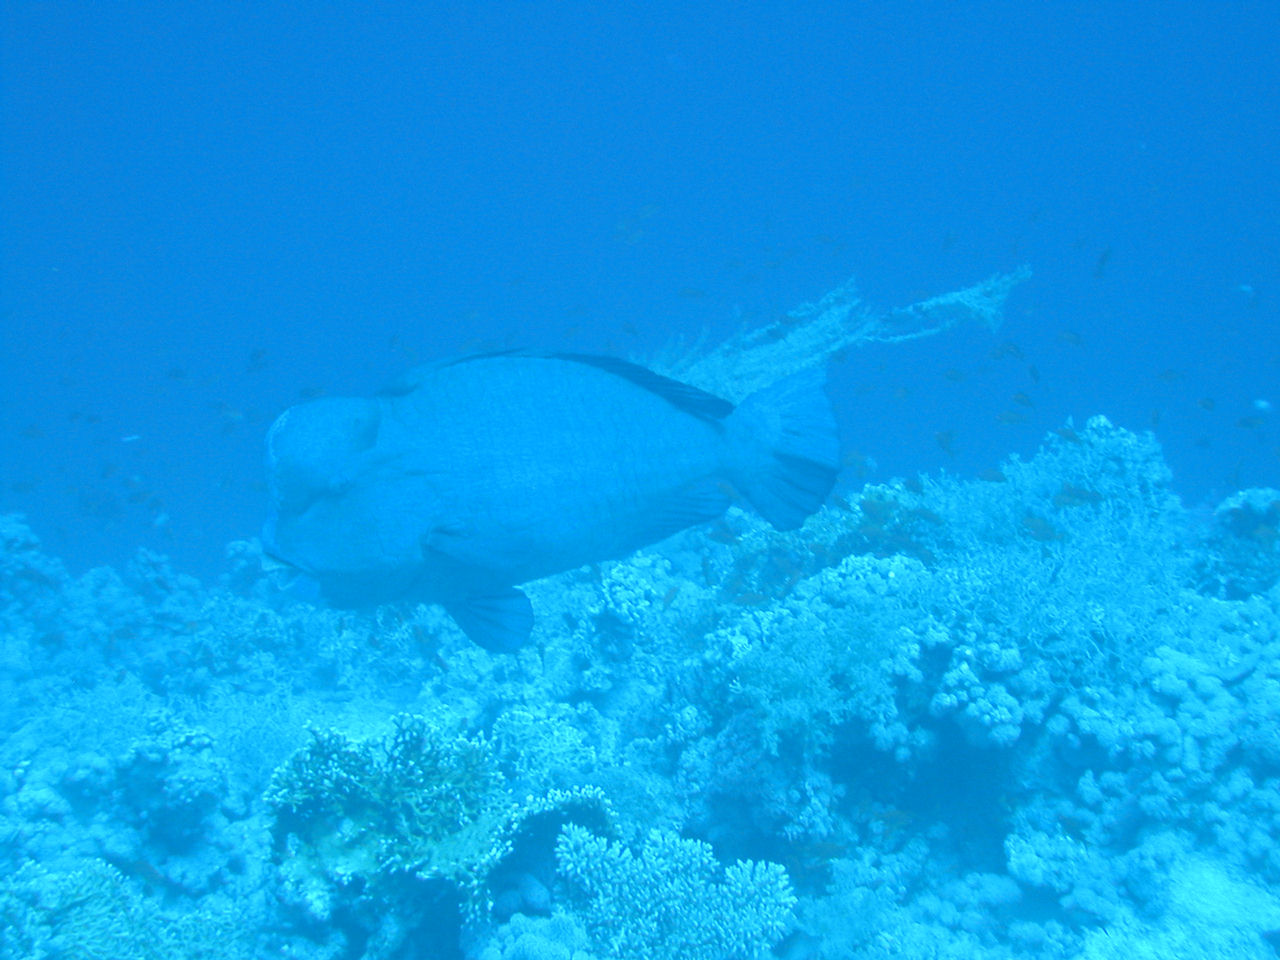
(1012, 692)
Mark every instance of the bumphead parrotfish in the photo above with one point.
(470, 477)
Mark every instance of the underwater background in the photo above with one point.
(1013, 692)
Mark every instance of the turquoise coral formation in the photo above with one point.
(671, 899)
(1021, 716)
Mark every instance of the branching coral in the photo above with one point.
(671, 900)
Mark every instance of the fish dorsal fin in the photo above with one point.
(691, 400)
(410, 381)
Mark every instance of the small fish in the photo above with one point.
(1073, 496)
(1100, 265)
(722, 533)
(1040, 529)
(877, 511)
(1007, 349)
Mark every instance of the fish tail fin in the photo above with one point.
(783, 449)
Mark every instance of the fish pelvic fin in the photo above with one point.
(784, 452)
(499, 620)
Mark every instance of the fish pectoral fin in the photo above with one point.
(499, 620)
(450, 540)
(459, 545)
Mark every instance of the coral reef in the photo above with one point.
(401, 837)
(95, 913)
(1029, 715)
(671, 900)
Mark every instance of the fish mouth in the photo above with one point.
(284, 574)
(268, 538)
